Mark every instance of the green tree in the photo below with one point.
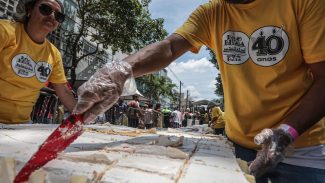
(153, 87)
(219, 88)
(121, 25)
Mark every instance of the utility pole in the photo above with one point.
(186, 99)
(180, 95)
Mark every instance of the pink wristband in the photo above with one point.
(289, 129)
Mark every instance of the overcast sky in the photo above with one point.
(194, 70)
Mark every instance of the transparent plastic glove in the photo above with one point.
(274, 143)
(102, 90)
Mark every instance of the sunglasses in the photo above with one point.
(47, 10)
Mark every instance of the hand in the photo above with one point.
(274, 143)
(102, 90)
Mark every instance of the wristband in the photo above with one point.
(290, 130)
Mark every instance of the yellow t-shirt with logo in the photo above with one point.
(24, 68)
(262, 49)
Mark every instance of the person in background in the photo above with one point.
(158, 107)
(123, 107)
(176, 118)
(120, 110)
(206, 117)
(111, 114)
(149, 116)
(158, 116)
(217, 122)
(186, 117)
(167, 115)
(271, 56)
(134, 112)
(28, 59)
(197, 118)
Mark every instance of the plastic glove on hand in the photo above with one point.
(102, 90)
(274, 143)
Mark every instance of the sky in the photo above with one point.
(194, 70)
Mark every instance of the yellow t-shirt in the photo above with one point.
(217, 114)
(24, 68)
(262, 49)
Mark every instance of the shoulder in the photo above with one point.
(8, 27)
(309, 6)
(8, 24)
(53, 47)
(132, 103)
(55, 51)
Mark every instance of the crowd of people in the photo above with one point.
(48, 109)
(146, 115)
(133, 114)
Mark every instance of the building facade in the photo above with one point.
(7, 8)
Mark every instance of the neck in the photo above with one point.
(35, 34)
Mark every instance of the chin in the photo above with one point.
(49, 28)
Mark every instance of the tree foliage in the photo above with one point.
(219, 88)
(153, 87)
(121, 25)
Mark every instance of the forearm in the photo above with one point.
(214, 119)
(65, 95)
(158, 55)
(310, 110)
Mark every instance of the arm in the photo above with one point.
(103, 89)
(275, 141)
(311, 109)
(65, 95)
(158, 55)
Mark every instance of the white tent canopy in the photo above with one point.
(136, 93)
(205, 102)
(130, 89)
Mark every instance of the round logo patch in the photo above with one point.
(23, 66)
(235, 46)
(43, 71)
(268, 45)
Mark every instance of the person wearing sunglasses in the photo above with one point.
(28, 60)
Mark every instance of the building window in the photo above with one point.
(2, 4)
(11, 8)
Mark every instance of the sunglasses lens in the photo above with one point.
(45, 9)
(60, 17)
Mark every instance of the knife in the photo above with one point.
(61, 137)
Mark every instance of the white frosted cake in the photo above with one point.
(118, 154)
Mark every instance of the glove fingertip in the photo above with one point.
(259, 139)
